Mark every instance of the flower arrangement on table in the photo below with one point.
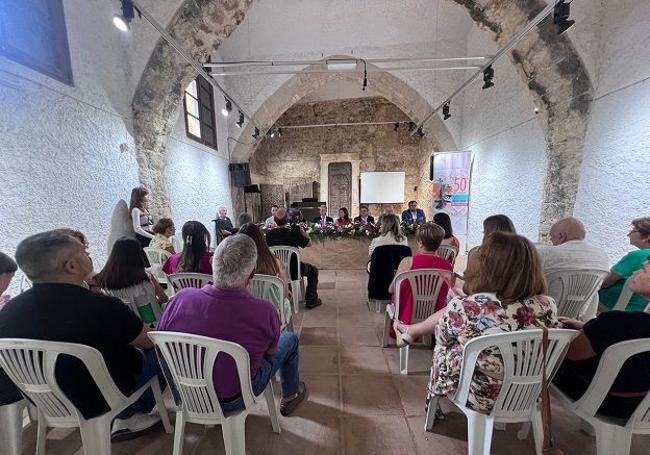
(357, 231)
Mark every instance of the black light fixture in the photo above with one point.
(445, 111)
(561, 15)
(272, 133)
(396, 127)
(279, 132)
(488, 75)
(122, 21)
(226, 110)
(240, 121)
(256, 133)
(411, 126)
(420, 132)
(365, 76)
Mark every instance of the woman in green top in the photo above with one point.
(613, 285)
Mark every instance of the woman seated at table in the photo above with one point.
(428, 236)
(443, 220)
(494, 223)
(613, 285)
(124, 276)
(508, 294)
(195, 257)
(344, 218)
(391, 234)
(267, 264)
(609, 328)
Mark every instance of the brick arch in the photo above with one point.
(559, 83)
(385, 84)
(200, 26)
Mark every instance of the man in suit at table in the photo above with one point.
(413, 215)
(323, 219)
(364, 218)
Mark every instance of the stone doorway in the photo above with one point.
(340, 187)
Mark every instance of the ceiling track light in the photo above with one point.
(420, 132)
(122, 21)
(488, 75)
(227, 109)
(561, 14)
(445, 110)
(271, 133)
(396, 127)
(240, 121)
(365, 76)
(411, 126)
(279, 132)
(256, 133)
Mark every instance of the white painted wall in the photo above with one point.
(615, 175)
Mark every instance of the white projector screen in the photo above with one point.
(382, 187)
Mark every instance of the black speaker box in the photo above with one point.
(241, 174)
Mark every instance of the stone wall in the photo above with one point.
(294, 158)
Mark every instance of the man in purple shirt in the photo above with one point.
(227, 311)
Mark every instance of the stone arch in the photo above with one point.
(558, 80)
(200, 26)
(385, 84)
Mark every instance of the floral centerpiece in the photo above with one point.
(357, 231)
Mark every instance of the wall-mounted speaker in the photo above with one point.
(240, 174)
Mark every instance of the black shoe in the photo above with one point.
(314, 304)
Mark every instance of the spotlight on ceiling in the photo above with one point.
(488, 75)
(240, 121)
(122, 21)
(226, 110)
(561, 15)
(420, 132)
(272, 133)
(396, 127)
(279, 132)
(411, 126)
(445, 110)
(256, 134)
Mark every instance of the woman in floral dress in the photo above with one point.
(507, 294)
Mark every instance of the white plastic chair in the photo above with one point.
(625, 296)
(190, 360)
(523, 357)
(270, 288)
(285, 253)
(613, 436)
(179, 281)
(135, 296)
(11, 427)
(574, 289)
(448, 253)
(157, 258)
(30, 365)
(426, 285)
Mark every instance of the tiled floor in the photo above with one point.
(358, 403)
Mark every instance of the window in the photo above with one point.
(33, 33)
(199, 112)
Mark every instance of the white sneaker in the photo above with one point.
(134, 426)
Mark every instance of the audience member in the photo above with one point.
(267, 264)
(413, 215)
(222, 225)
(8, 269)
(364, 218)
(124, 276)
(195, 257)
(269, 223)
(244, 218)
(294, 235)
(494, 223)
(59, 308)
(164, 229)
(323, 219)
(89, 282)
(344, 218)
(613, 285)
(428, 236)
(609, 328)
(141, 219)
(390, 234)
(442, 219)
(569, 250)
(507, 295)
(227, 311)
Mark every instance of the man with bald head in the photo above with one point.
(570, 251)
(293, 235)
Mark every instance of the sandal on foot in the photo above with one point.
(402, 339)
(288, 405)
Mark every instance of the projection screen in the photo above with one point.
(382, 187)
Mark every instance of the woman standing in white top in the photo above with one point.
(390, 234)
(140, 216)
